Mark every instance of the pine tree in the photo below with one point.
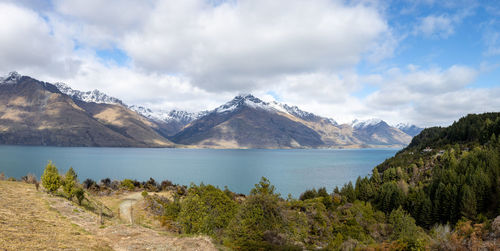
(348, 192)
(69, 182)
(50, 178)
(376, 176)
(468, 203)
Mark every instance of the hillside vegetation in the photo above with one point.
(441, 192)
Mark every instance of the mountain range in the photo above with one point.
(34, 112)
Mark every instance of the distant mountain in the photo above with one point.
(247, 121)
(33, 112)
(94, 96)
(411, 130)
(168, 122)
(378, 132)
(38, 113)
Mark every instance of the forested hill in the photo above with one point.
(472, 129)
(446, 175)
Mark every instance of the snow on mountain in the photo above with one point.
(11, 78)
(95, 96)
(254, 102)
(240, 101)
(167, 116)
(361, 124)
(409, 129)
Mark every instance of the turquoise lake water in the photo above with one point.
(290, 171)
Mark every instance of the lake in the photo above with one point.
(290, 171)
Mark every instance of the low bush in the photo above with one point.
(128, 184)
(89, 184)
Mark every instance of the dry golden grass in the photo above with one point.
(28, 222)
(32, 220)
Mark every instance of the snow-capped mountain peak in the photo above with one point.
(166, 116)
(94, 96)
(251, 101)
(409, 129)
(242, 100)
(360, 124)
(403, 125)
(11, 78)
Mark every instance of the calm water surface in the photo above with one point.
(290, 171)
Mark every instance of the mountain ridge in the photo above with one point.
(243, 122)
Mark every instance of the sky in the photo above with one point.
(424, 62)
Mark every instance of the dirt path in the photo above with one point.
(122, 236)
(126, 205)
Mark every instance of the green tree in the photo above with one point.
(390, 197)
(206, 209)
(308, 194)
(468, 203)
(348, 192)
(404, 229)
(260, 213)
(69, 182)
(376, 176)
(51, 179)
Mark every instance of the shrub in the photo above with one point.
(2, 176)
(166, 184)
(115, 184)
(172, 209)
(151, 185)
(11, 179)
(106, 182)
(50, 178)
(89, 184)
(206, 209)
(31, 178)
(79, 194)
(128, 184)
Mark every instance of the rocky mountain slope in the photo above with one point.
(411, 130)
(247, 121)
(37, 113)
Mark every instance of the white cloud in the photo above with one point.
(236, 45)
(193, 55)
(430, 96)
(436, 26)
(27, 44)
(101, 23)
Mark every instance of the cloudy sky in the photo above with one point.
(425, 62)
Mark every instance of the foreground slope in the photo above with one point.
(34, 220)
